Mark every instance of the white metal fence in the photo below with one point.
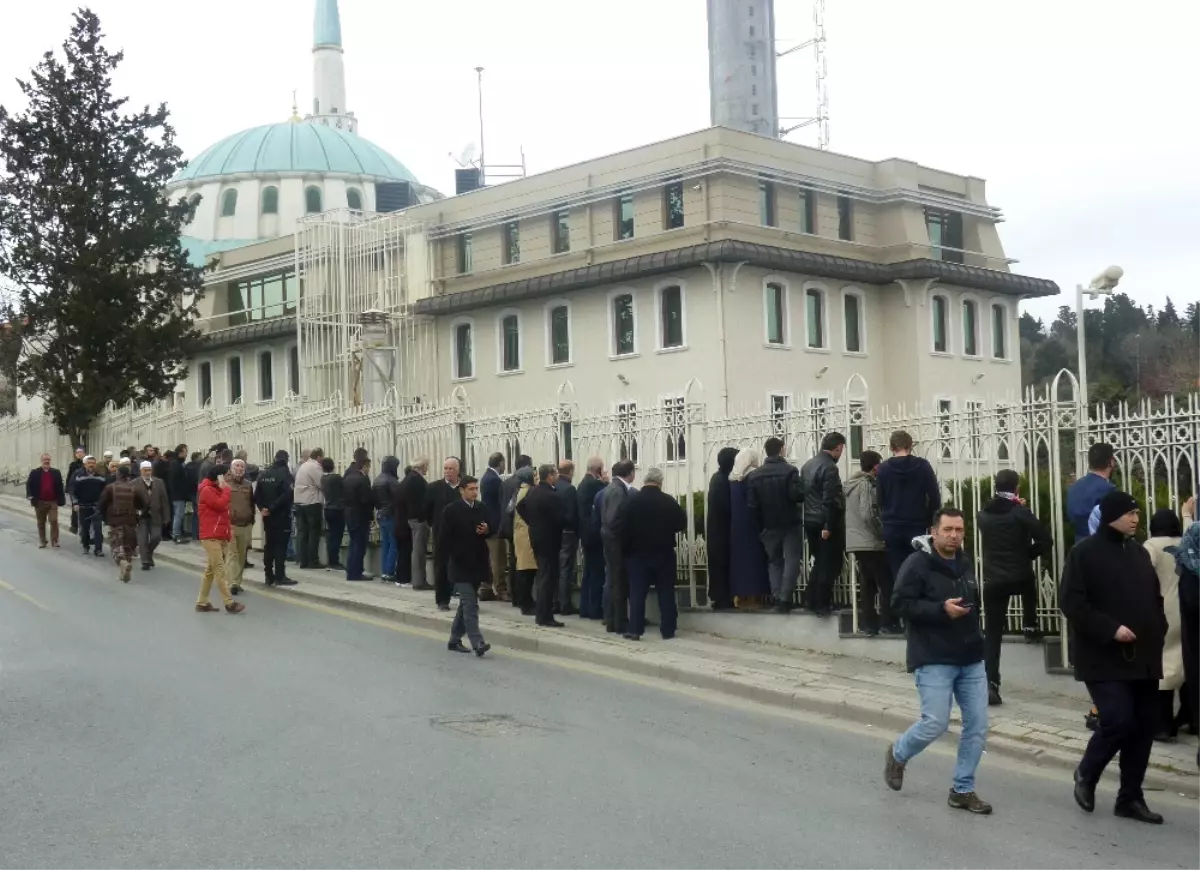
(1043, 435)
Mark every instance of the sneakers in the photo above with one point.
(970, 802)
(994, 699)
(236, 607)
(386, 578)
(893, 771)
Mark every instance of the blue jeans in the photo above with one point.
(335, 526)
(358, 550)
(178, 512)
(937, 686)
(387, 546)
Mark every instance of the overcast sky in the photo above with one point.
(1079, 113)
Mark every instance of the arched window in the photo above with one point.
(270, 200)
(814, 317)
(464, 351)
(775, 304)
(939, 313)
(508, 329)
(354, 199)
(854, 321)
(266, 376)
(228, 203)
(558, 333)
(670, 316)
(312, 200)
(999, 331)
(970, 324)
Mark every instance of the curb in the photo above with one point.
(824, 702)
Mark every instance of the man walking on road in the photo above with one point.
(89, 486)
(864, 539)
(1012, 538)
(154, 517)
(490, 488)
(241, 519)
(273, 498)
(215, 533)
(909, 496)
(616, 602)
(936, 595)
(542, 511)
(121, 504)
(653, 519)
(464, 532)
(46, 493)
(1110, 594)
(308, 510)
(824, 521)
(774, 495)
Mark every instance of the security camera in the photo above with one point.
(697, 187)
(1107, 280)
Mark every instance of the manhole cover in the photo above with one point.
(487, 724)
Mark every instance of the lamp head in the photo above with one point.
(1106, 281)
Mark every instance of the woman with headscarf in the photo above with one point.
(1165, 533)
(717, 531)
(749, 584)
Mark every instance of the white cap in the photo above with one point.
(147, 465)
(124, 460)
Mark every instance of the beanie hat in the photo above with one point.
(281, 456)
(1115, 505)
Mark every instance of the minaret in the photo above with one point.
(329, 72)
(741, 65)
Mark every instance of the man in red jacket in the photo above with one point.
(215, 532)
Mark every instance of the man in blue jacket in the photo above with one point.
(909, 496)
(1084, 494)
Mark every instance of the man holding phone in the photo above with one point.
(937, 595)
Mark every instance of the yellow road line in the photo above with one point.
(7, 587)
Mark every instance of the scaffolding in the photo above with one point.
(357, 335)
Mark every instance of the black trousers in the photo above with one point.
(1128, 717)
(275, 542)
(523, 588)
(616, 604)
(442, 590)
(995, 612)
(308, 535)
(547, 582)
(404, 549)
(827, 566)
(1189, 623)
(874, 578)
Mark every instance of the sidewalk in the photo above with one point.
(1044, 728)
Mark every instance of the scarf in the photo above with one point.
(1187, 557)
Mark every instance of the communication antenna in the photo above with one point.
(508, 170)
(821, 116)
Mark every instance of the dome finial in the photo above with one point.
(295, 109)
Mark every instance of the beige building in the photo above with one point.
(772, 274)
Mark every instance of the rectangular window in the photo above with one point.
(845, 218)
(205, 377)
(294, 370)
(512, 242)
(858, 411)
(260, 298)
(623, 324)
(675, 424)
(852, 313)
(945, 231)
(464, 361)
(627, 431)
(945, 427)
(670, 301)
(560, 335)
(940, 314)
(673, 205)
(766, 203)
(510, 332)
(999, 331)
(623, 217)
(568, 447)
(560, 230)
(463, 241)
(781, 403)
(814, 314)
(266, 376)
(776, 301)
(970, 328)
(234, 368)
(808, 210)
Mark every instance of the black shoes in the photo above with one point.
(528, 611)
(364, 577)
(994, 699)
(235, 589)
(286, 581)
(1032, 635)
(781, 609)
(457, 646)
(1138, 811)
(1085, 793)
(629, 636)
(481, 650)
(445, 607)
(553, 623)
(893, 771)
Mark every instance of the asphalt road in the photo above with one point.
(136, 732)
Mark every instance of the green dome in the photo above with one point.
(294, 148)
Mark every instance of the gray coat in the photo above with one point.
(159, 510)
(615, 496)
(864, 528)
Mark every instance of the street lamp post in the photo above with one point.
(1102, 285)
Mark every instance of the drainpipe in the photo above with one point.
(719, 289)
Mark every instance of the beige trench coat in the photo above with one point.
(525, 558)
(1168, 584)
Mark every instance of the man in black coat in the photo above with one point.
(273, 498)
(591, 588)
(824, 521)
(1012, 539)
(542, 510)
(72, 470)
(359, 511)
(717, 520)
(46, 493)
(178, 491)
(1110, 594)
(464, 533)
(652, 520)
(490, 487)
(439, 495)
(568, 557)
(410, 508)
(774, 496)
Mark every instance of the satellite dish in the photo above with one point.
(469, 153)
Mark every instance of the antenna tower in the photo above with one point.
(821, 116)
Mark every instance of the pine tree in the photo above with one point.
(101, 293)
